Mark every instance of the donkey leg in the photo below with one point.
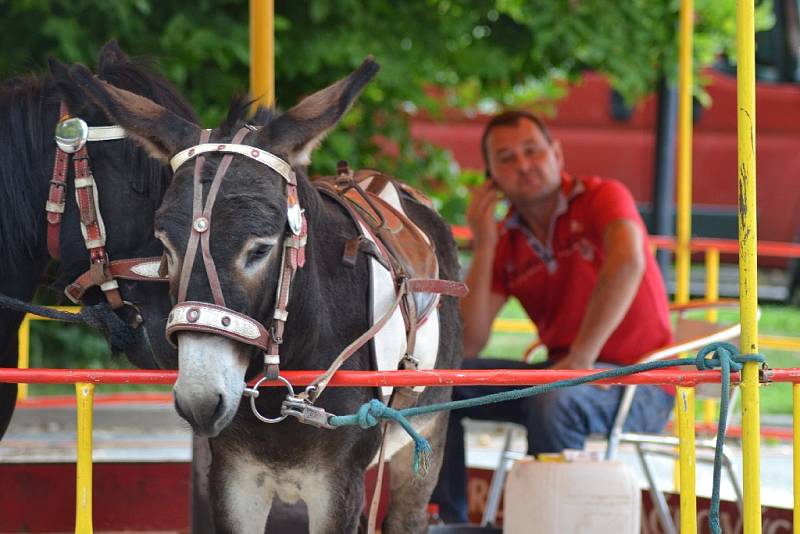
(337, 508)
(241, 492)
(410, 493)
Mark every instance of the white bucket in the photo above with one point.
(582, 497)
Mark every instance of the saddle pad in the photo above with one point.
(390, 343)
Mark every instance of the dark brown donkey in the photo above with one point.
(269, 269)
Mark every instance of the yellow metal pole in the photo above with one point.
(796, 455)
(684, 194)
(748, 279)
(683, 231)
(24, 352)
(262, 51)
(84, 393)
(712, 316)
(687, 459)
(24, 343)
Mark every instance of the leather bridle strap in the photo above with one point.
(194, 236)
(138, 269)
(92, 226)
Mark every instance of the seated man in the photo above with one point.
(575, 252)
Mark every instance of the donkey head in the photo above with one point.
(232, 201)
(130, 186)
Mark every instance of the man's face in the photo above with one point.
(523, 164)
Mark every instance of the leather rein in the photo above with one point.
(71, 136)
(217, 319)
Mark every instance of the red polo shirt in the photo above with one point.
(554, 280)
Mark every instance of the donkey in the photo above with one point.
(266, 205)
(129, 187)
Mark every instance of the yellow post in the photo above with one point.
(683, 230)
(796, 455)
(748, 280)
(83, 480)
(684, 194)
(712, 295)
(24, 352)
(262, 51)
(687, 458)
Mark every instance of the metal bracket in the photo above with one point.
(305, 412)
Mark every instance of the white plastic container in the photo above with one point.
(581, 497)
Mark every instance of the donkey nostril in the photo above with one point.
(180, 412)
(220, 407)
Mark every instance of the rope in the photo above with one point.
(725, 357)
(100, 316)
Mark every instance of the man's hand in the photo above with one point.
(575, 360)
(480, 216)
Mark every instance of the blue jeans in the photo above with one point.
(556, 420)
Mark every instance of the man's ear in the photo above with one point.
(300, 130)
(158, 130)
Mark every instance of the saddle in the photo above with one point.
(402, 254)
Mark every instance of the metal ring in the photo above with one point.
(253, 400)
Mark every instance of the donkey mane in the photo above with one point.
(29, 106)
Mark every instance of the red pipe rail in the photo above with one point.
(435, 377)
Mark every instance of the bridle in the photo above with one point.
(217, 318)
(71, 136)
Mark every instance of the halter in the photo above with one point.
(71, 136)
(217, 318)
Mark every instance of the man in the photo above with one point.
(575, 252)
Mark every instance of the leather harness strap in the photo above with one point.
(101, 273)
(138, 269)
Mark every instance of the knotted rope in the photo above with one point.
(100, 316)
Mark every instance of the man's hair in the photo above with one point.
(511, 118)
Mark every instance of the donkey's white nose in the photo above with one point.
(210, 381)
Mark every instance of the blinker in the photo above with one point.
(71, 134)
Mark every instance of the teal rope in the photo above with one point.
(725, 358)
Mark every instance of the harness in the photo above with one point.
(71, 136)
(385, 235)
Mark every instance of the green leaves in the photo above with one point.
(480, 56)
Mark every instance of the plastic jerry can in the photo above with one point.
(582, 497)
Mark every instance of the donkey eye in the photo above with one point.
(258, 253)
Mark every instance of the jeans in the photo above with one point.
(556, 420)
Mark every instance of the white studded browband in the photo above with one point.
(262, 156)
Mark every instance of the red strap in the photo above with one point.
(56, 200)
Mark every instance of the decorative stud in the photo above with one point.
(255, 152)
(192, 315)
(220, 147)
(200, 224)
(226, 321)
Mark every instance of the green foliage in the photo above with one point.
(482, 55)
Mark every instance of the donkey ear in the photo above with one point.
(111, 54)
(300, 130)
(158, 130)
(69, 91)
